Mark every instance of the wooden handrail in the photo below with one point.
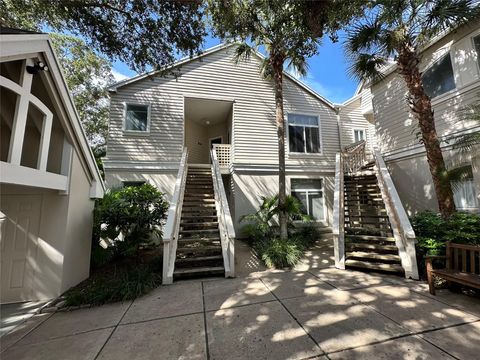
(338, 223)
(402, 228)
(227, 231)
(354, 156)
(172, 227)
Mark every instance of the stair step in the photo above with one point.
(367, 216)
(194, 244)
(199, 231)
(370, 237)
(195, 205)
(197, 218)
(368, 246)
(394, 268)
(199, 224)
(351, 230)
(199, 271)
(199, 195)
(199, 250)
(199, 258)
(373, 256)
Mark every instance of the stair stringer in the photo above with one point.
(404, 241)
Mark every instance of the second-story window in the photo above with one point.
(476, 44)
(137, 117)
(438, 79)
(303, 133)
(358, 135)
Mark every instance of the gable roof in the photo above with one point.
(210, 51)
(27, 45)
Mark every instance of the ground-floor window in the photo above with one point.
(464, 193)
(310, 193)
(132, 183)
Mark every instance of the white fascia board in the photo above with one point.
(25, 176)
(79, 133)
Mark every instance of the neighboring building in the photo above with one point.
(48, 176)
(215, 101)
(451, 74)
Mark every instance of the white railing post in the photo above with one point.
(227, 231)
(172, 227)
(402, 229)
(338, 223)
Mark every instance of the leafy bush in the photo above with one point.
(432, 232)
(130, 217)
(119, 283)
(263, 232)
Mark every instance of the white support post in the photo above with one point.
(338, 224)
(45, 142)
(20, 116)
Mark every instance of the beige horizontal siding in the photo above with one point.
(216, 76)
(395, 126)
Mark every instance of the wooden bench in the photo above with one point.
(462, 266)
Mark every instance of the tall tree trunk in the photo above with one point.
(421, 107)
(277, 66)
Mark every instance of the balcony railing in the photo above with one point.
(223, 152)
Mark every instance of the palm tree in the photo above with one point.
(398, 29)
(289, 32)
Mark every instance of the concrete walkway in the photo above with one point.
(314, 311)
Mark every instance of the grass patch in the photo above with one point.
(124, 279)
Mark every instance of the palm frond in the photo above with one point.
(467, 142)
(444, 14)
(243, 52)
(363, 37)
(366, 66)
(459, 174)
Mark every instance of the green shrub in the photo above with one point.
(118, 284)
(130, 217)
(281, 253)
(263, 232)
(432, 232)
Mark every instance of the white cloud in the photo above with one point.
(118, 76)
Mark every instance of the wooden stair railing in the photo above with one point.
(172, 227)
(227, 231)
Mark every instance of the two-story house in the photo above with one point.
(451, 76)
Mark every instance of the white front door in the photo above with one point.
(18, 245)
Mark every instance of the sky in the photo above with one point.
(327, 71)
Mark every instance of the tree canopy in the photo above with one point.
(87, 75)
(141, 33)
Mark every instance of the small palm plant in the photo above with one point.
(398, 30)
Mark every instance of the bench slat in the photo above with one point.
(464, 278)
(472, 261)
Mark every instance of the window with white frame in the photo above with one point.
(310, 193)
(464, 193)
(438, 79)
(137, 117)
(303, 133)
(476, 44)
(358, 135)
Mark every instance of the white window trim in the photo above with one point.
(359, 129)
(472, 43)
(449, 53)
(136, 132)
(287, 137)
(300, 177)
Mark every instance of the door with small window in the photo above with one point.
(311, 195)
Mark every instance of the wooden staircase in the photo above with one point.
(199, 252)
(369, 241)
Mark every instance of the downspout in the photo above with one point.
(337, 110)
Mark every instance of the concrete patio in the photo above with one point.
(314, 311)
